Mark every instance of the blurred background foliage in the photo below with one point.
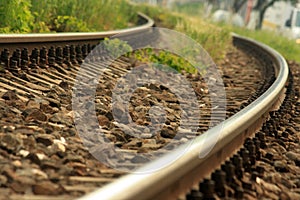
(40, 16)
(27, 16)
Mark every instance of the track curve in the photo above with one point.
(172, 181)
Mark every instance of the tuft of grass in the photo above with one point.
(161, 57)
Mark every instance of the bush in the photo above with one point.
(25, 16)
(68, 24)
(15, 16)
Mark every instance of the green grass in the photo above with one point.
(190, 8)
(26, 16)
(287, 47)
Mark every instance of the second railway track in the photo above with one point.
(42, 156)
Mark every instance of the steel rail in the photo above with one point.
(180, 176)
(70, 36)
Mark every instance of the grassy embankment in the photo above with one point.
(288, 48)
(213, 39)
(27, 16)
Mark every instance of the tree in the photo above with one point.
(238, 4)
(261, 7)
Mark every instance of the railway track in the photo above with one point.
(42, 156)
(175, 180)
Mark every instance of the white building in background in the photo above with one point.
(277, 15)
(284, 18)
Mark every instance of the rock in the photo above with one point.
(56, 118)
(34, 114)
(73, 158)
(41, 156)
(39, 174)
(33, 103)
(46, 188)
(297, 162)
(152, 86)
(293, 156)
(184, 131)
(29, 142)
(61, 118)
(297, 183)
(291, 130)
(151, 144)
(53, 102)
(249, 196)
(287, 183)
(139, 159)
(19, 187)
(64, 85)
(103, 120)
(71, 132)
(284, 196)
(270, 194)
(146, 135)
(34, 158)
(23, 153)
(293, 195)
(9, 173)
(118, 110)
(69, 107)
(11, 142)
(167, 132)
(45, 139)
(59, 147)
(49, 164)
(281, 166)
(3, 180)
(8, 128)
(109, 116)
(258, 189)
(281, 147)
(101, 108)
(10, 95)
(134, 142)
(17, 163)
(120, 136)
(268, 186)
(47, 108)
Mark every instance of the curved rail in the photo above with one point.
(178, 177)
(59, 37)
